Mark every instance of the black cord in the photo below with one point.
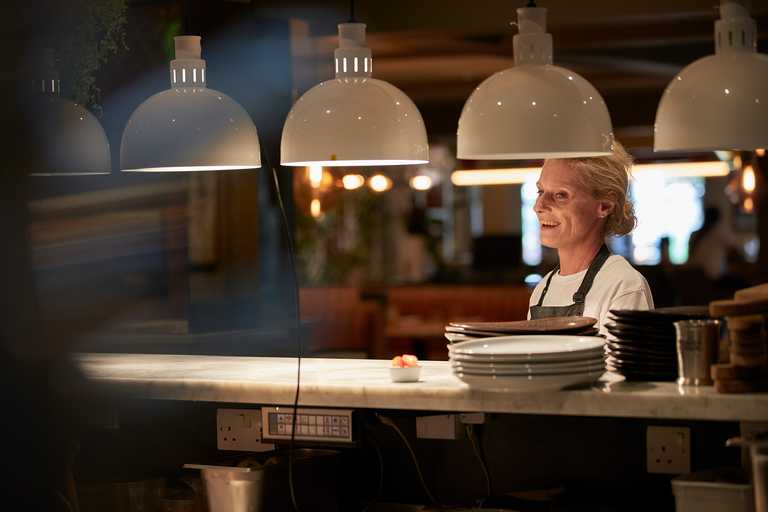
(531, 3)
(297, 327)
(352, 18)
(380, 458)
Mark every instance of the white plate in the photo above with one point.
(528, 383)
(529, 371)
(534, 367)
(536, 347)
(544, 359)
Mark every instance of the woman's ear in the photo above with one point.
(605, 208)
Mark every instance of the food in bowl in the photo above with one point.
(405, 368)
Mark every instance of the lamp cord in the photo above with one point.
(297, 333)
(380, 458)
(531, 3)
(352, 18)
(475, 448)
(389, 422)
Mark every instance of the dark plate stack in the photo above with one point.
(456, 332)
(641, 344)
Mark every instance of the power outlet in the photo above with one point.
(240, 429)
(441, 426)
(668, 450)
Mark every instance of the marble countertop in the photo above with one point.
(365, 383)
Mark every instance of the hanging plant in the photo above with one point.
(94, 31)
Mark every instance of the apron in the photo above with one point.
(577, 308)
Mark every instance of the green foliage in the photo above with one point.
(325, 251)
(91, 32)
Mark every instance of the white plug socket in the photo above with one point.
(240, 429)
(668, 450)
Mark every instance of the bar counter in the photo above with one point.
(365, 383)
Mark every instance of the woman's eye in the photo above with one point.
(539, 192)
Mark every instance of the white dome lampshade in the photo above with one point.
(534, 109)
(70, 139)
(353, 119)
(719, 101)
(189, 127)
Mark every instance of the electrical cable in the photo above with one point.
(63, 499)
(352, 18)
(380, 458)
(390, 423)
(297, 333)
(475, 448)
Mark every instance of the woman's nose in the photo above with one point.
(541, 203)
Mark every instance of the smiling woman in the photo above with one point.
(580, 202)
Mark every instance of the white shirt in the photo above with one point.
(617, 285)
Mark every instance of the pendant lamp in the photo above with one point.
(70, 140)
(534, 109)
(189, 127)
(719, 101)
(353, 119)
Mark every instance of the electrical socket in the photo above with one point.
(440, 426)
(240, 429)
(668, 450)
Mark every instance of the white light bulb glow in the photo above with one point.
(315, 208)
(193, 168)
(380, 183)
(516, 176)
(421, 182)
(352, 181)
(353, 163)
(748, 181)
(315, 175)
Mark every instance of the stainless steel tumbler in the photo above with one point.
(697, 342)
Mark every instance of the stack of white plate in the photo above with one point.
(528, 363)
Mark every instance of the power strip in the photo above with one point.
(314, 425)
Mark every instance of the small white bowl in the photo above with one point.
(407, 374)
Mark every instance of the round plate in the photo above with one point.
(574, 356)
(476, 333)
(528, 347)
(539, 325)
(525, 367)
(623, 364)
(528, 383)
(617, 348)
(621, 330)
(671, 313)
(530, 371)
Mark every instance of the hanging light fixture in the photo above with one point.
(189, 127)
(534, 109)
(72, 142)
(353, 119)
(719, 101)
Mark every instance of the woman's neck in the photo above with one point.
(575, 259)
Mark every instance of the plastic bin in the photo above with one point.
(713, 491)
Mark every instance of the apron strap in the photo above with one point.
(546, 285)
(594, 268)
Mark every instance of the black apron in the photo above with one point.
(577, 308)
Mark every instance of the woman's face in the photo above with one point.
(568, 213)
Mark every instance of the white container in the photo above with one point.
(406, 374)
(693, 493)
(232, 489)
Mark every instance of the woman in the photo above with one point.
(581, 202)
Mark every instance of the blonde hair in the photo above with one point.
(608, 177)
